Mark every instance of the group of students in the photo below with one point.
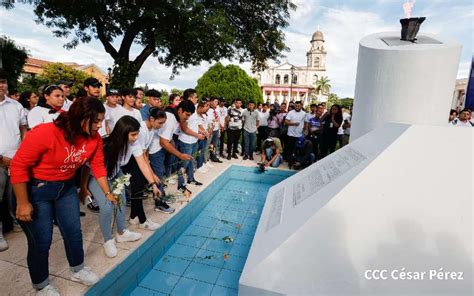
(462, 118)
(58, 150)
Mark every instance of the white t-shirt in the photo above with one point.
(213, 118)
(457, 122)
(263, 118)
(112, 115)
(169, 128)
(296, 117)
(134, 113)
(67, 104)
(222, 114)
(11, 117)
(145, 137)
(134, 149)
(193, 124)
(39, 115)
(345, 116)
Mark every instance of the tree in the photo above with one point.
(179, 33)
(177, 91)
(56, 71)
(230, 82)
(322, 85)
(347, 103)
(12, 60)
(332, 99)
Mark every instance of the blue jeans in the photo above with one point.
(157, 163)
(249, 142)
(58, 199)
(201, 148)
(269, 156)
(214, 143)
(188, 165)
(171, 161)
(107, 208)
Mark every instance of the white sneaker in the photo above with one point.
(3, 243)
(48, 291)
(149, 225)
(172, 181)
(203, 169)
(209, 165)
(128, 236)
(110, 248)
(85, 276)
(134, 221)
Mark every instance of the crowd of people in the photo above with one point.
(60, 149)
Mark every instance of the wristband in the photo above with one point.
(107, 193)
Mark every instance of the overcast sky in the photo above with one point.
(343, 23)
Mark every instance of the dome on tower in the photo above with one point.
(318, 36)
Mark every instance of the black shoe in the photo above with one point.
(82, 214)
(195, 183)
(217, 160)
(251, 157)
(221, 155)
(246, 157)
(235, 156)
(161, 206)
(183, 189)
(92, 205)
(228, 156)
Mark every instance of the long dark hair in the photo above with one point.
(338, 115)
(71, 122)
(24, 99)
(116, 144)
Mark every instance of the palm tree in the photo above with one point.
(322, 85)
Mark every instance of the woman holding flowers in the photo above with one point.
(119, 147)
(42, 173)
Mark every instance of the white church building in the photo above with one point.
(276, 84)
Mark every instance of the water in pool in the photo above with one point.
(208, 257)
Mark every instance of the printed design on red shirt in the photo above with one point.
(74, 158)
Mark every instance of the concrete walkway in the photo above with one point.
(14, 277)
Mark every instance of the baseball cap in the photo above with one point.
(91, 81)
(65, 82)
(113, 92)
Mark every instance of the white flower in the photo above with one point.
(120, 186)
(117, 191)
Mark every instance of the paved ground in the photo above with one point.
(14, 277)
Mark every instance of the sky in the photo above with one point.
(343, 23)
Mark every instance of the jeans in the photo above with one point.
(249, 142)
(269, 155)
(201, 148)
(221, 142)
(157, 163)
(214, 142)
(233, 136)
(171, 161)
(59, 199)
(107, 208)
(188, 165)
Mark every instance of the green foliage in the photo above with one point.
(347, 103)
(332, 99)
(178, 33)
(230, 82)
(322, 85)
(177, 91)
(52, 73)
(12, 59)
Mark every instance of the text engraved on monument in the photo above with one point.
(276, 209)
(326, 173)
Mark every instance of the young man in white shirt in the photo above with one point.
(214, 119)
(463, 119)
(13, 129)
(234, 128)
(263, 126)
(65, 85)
(295, 121)
(113, 112)
(222, 111)
(129, 98)
(92, 87)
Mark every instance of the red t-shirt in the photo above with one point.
(45, 154)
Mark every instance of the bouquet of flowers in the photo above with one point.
(118, 187)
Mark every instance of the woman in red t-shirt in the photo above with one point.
(42, 174)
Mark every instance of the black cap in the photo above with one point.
(113, 92)
(91, 81)
(65, 82)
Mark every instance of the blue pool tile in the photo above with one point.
(172, 265)
(243, 239)
(234, 263)
(212, 258)
(239, 250)
(226, 230)
(197, 230)
(202, 272)
(191, 287)
(192, 240)
(205, 221)
(222, 291)
(228, 279)
(140, 291)
(217, 245)
(182, 251)
(159, 281)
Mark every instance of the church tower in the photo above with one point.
(316, 56)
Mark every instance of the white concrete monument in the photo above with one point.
(390, 213)
(400, 81)
(396, 203)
